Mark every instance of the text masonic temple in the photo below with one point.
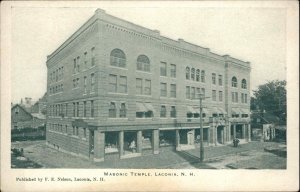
(116, 87)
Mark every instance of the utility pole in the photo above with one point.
(201, 131)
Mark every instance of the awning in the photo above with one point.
(197, 110)
(149, 107)
(245, 111)
(222, 111)
(235, 111)
(205, 110)
(140, 107)
(191, 109)
(215, 110)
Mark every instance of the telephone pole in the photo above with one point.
(201, 130)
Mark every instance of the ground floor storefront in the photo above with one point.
(96, 143)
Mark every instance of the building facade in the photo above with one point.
(116, 87)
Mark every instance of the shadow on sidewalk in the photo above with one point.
(193, 160)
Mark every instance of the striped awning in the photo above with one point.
(222, 111)
(191, 109)
(149, 107)
(140, 107)
(235, 111)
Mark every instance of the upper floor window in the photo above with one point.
(188, 92)
(147, 87)
(112, 110)
(187, 73)
(213, 78)
(84, 109)
(244, 84)
(163, 111)
(220, 80)
(173, 112)
(173, 90)
(163, 69)
(92, 109)
(203, 76)
(85, 84)
(92, 82)
(234, 82)
(193, 74)
(173, 70)
(214, 95)
(123, 84)
(163, 89)
(78, 64)
(93, 56)
(139, 86)
(117, 58)
(123, 110)
(198, 75)
(220, 96)
(113, 83)
(85, 60)
(143, 63)
(193, 93)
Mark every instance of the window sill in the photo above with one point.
(118, 118)
(116, 93)
(116, 67)
(147, 72)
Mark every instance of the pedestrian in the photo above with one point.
(132, 146)
(237, 142)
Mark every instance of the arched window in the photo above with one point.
(193, 74)
(117, 58)
(187, 73)
(197, 75)
(143, 63)
(234, 82)
(203, 76)
(244, 84)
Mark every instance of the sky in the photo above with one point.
(257, 35)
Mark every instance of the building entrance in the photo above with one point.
(111, 142)
(167, 138)
(220, 134)
(130, 142)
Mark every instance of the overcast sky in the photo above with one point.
(257, 35)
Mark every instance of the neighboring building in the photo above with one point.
(118, 87)
(26, 104)
(21, 118)
(40, 106)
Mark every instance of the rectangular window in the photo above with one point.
(74, 109)
(92, 82)
(78, 64)
(147, 88)
(220, 96)
(193, 93)
(203, 92)
(85, 60)
(188, 92)
(92, 109)
(66, 109)
(77, 106)
(84, 109)
(236, 97)
(163, 69)
(123, 110)
(163, 111)
(85, 84)
(232, 97)
(139, 86)
(173, 70)
(113, 83)
(77, 131)
(173, 90)
(246, 99)
(198, 93)
(84, 132)
(93, 56)
(220, 80)
(242, 98)
(112, 113)
(73, 130)
(163, 89)
(214, 95)
(173, 112)
(123, 84)
(213, 76)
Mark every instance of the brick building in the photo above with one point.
(116, 87)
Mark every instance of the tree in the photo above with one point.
(271, 97)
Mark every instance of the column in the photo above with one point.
(139, 141)
(208, 135)
(249, 132)
(177, 137)
(244, 131)
(155, 141)
(229, 131)
(99, 146)
(121, 143)
(234, 131)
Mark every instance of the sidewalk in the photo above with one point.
(167, 158)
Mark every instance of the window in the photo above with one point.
(203, 92)
(234, 82)
(123, 110)
(198, 94)
(203, 76)
(77, 131)
(66, 129)
(143, 63)
(193, 93)
(77, 109)
(112, 110)
(93, 56)
(236, 97)
(92, 82)
(163, 111)
(147, 89)
(173, 90)
(193, 74)
(187, 73)
(117, 58)
(244, 84)
(92, 109)
(74, 66)
(123, 84)
(242, 97)
(139, 86)
(220, 80)
(188, 92)
(56, 76)
(163, 69)
(85, 60)
(198, 75)
(214, 95)
(173, 112)
(85, 84)
(246, 99)
(84, 109)
(66, 109)
(113, 83)
(213, 78)
(232, 97)
(73, 130)
(74, 109)
(78, 64)
(220, 96)
(163, 89)
(173, 70)
(84, 132)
